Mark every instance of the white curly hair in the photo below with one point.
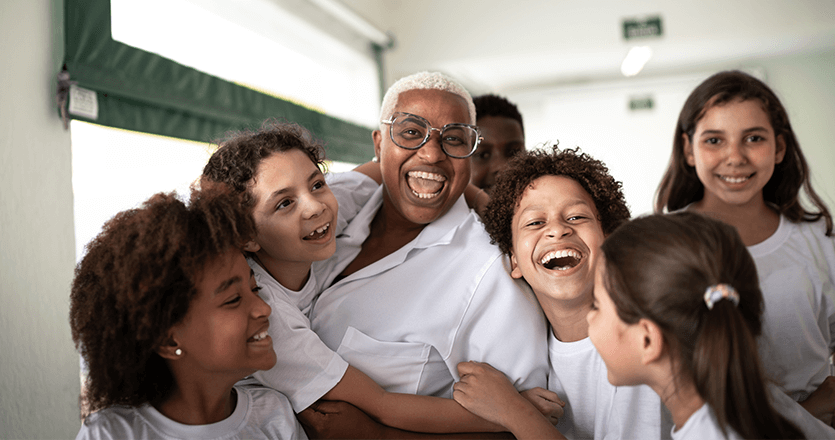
(424, 81)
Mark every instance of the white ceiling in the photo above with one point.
(500, 46)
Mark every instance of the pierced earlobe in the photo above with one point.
(178, 352)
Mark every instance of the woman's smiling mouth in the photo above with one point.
(425, 185)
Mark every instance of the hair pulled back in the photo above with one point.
(658, 267)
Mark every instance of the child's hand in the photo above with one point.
(337, 419)
(547, 402)
(821, 403)
(485, 391)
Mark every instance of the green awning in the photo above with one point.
(142, 91)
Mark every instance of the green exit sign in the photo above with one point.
(648, 27)
(641, 103)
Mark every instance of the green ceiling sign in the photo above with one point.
(648, 27)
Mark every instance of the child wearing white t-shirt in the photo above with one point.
(677, 307)
(165, 311)
(736, 158)
(549, 212)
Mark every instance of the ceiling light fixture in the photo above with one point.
(635, 60)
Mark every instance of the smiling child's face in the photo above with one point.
(734, 151)
(295, 213)
(556, 237)
(224, 332)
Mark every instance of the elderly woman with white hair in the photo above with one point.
(415, 286)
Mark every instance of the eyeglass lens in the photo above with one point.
(411, 132)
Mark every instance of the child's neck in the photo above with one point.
(678, 394)
(198, 405)
(567, 317)
(292, 275)
(754, 221)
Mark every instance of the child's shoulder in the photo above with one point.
(117, 422)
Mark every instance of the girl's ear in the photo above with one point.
(170, 349)
(652, 344)
(252, 246)
(688, 150)
(781, 149)
(514, 267)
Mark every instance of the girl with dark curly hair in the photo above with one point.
(165, 312)
(736, 158)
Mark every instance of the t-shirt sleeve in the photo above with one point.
(113, 423)
(305, 369)
(811, 426)
(352, 190)
(505, 327)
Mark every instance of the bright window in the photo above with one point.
(257, 44)
(114, 170)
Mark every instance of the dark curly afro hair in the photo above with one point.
(137, 280)
(527, 166)
(236, 161)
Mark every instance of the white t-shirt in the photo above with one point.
(812, 427)
(446, 297)
(594, 407)
(306, 369)
(703, 425)
(260, 413)
(796, 268)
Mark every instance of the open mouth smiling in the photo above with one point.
(259, 336)
(734, 179)
(318, 233)
(425, 185)
(561, 260)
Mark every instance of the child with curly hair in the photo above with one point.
(549, 212)
(278, 171)
(165, 312)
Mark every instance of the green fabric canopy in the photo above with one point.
(141, 91)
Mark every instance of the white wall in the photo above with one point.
(636, 145)
(38, 365)
(560, 62)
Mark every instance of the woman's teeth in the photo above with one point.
(425, 185)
